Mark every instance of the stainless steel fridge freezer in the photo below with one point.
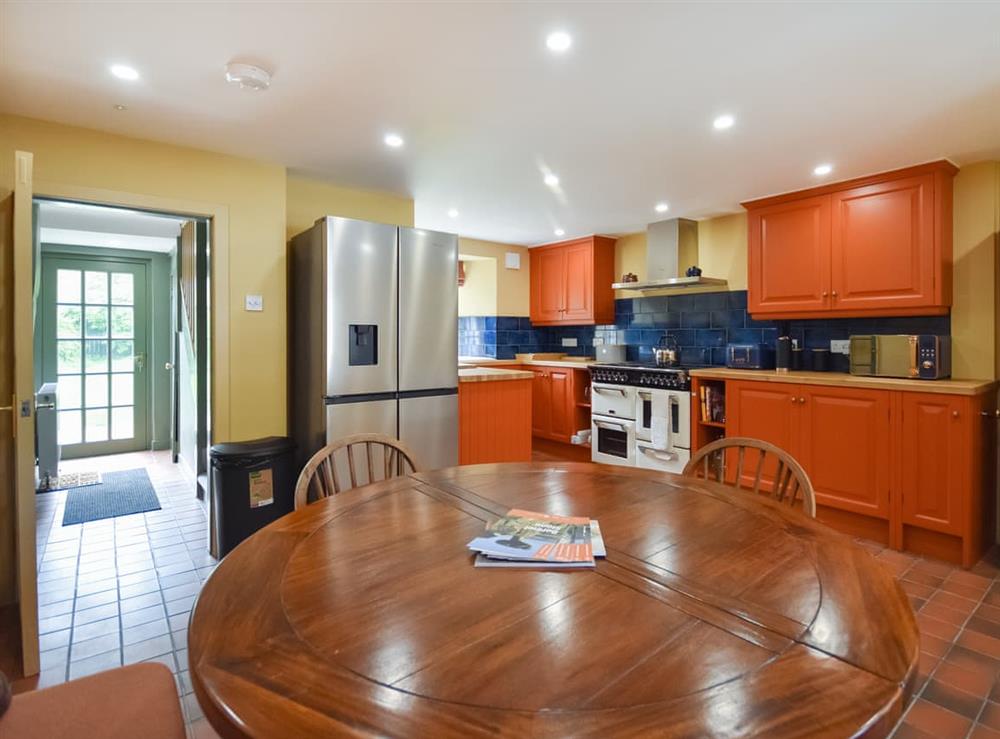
(374, 344)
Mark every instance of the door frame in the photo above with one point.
(219, 388)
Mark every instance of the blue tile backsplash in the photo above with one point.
(702, 324)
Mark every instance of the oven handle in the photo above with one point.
(662, 456)
(603, 389)
(612, 424)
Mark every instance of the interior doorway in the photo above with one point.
(122, 364)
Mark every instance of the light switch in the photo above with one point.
(840, 346)
(512, 260)
(255, 302)
(569, 342)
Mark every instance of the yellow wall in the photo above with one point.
(722, 253)
(312, 199)
(478, 296)
(253, 193)
(513, 285)
(974, 310)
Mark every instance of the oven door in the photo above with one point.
(663, 418)
(656, 459)
(612, 441)
(612, 400)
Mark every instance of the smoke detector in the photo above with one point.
(248, 76)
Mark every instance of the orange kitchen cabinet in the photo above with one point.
(494, 421)
(912, 470)
(789, 260)
(844, 445)
(873, 246)
(883, 246)
(562, 413)
(765, 411)
(934, 442)
(571, 282)
(541, 403)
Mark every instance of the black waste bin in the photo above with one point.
(253, 483)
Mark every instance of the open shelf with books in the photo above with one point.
(708, 411)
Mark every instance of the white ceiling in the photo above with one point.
(624, 118)
(80, 224)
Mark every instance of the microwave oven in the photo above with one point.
(916, 356)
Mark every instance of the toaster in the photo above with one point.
(917, 356)
(749, 356)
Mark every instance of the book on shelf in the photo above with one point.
(532, 539)
(713, 404)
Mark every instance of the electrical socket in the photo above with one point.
(569, 342)
(840, 346)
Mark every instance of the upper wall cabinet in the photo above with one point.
(874, 246)
(571, 282)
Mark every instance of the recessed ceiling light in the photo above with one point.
(662, 208)
(723, 122)
(124, 72)
(119, 106)
(394, 140)
(822, 169)
(551, 180)
(558, 41)
(248, 76)
(452, 213)
(560, 232)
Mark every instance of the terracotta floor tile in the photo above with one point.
(969, 578)
(935, 720)
(973, 661)
(936, 627)
(954, 601)
(934, 567)
(973, 592)
(924, 578)
(933, 645)
(950, 697)
(990, 613)
(980, 643)
(909, 731)
(991, 715)
(978, 683)
(984, 626)
(992, 596)
(918, 589)
(979, 731)
(944, 613)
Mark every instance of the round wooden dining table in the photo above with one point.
(715, 613)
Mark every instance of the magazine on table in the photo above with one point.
(532, 539)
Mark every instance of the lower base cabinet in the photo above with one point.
(911, 470)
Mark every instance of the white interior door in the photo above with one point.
(23, 424)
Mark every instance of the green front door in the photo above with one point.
(94, 332)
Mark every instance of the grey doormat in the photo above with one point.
(121, 494)
(69, 480)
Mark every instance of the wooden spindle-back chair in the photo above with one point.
(790, 483)
(320, 477)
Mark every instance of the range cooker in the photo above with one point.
(641, 415)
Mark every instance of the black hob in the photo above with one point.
(642, 374)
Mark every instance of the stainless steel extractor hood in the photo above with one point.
(667, 243)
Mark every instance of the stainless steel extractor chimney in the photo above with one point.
(667, 242)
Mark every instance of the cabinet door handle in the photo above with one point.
(802, 401)
(991, 414)
(825, 293)
(834, 293)
(954, 414)
(794, 399)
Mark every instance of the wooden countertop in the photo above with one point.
(580, 364)
(842, 379)
(487, 374)
(714, 614)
